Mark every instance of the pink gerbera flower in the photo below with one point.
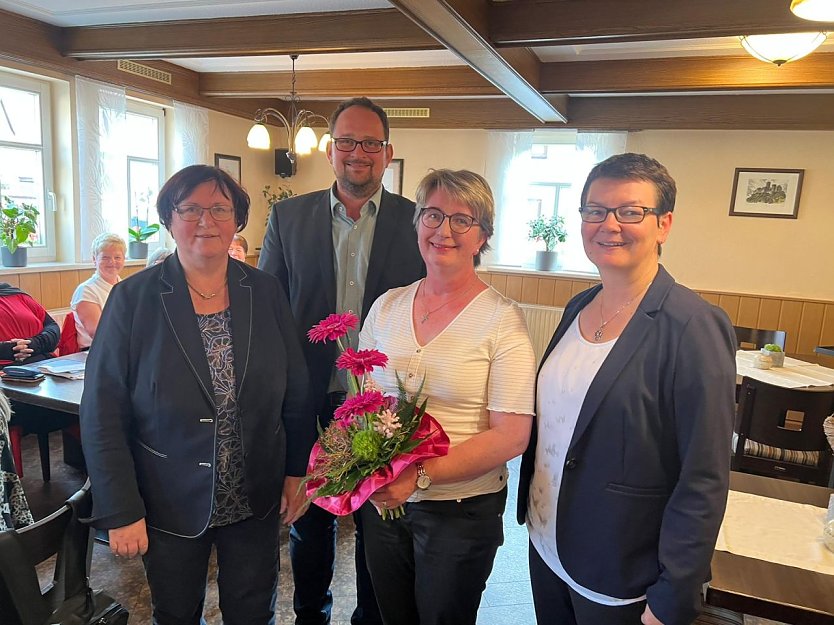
(332, 327)
(360, 404)
(361, 362)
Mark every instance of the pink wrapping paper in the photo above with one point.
(436, 444)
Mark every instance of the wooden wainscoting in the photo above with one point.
(54, 289)
(807, 322)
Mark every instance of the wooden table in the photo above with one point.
(774, 591)
(54, 393)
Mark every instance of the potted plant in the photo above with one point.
(137, 248)
(272, 197)
(17, 225)
(551, 230)
(776, 354)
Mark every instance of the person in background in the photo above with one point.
(337, 250)
(624, 483)
(90, 296)
(467, 346)
(14, 508)
(195, 415)
(157, 256)
(27, 333)
(239, 248)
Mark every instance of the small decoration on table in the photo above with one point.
(828, 535)
(373, 438)
(763, 360)
(776, 354)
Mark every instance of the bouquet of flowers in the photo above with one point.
(373, 437)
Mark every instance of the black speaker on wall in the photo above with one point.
(284, 167)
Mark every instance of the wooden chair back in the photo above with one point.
(753, 338)
(764, 417)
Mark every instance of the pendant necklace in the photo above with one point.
(206, 295)
(427, 313)
(599, 332)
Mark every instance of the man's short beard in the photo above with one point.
(366, 189)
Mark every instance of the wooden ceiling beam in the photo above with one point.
(549, 22)
(305, 33)
(457, 25)
(686, 74)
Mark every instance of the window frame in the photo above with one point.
(139, 107)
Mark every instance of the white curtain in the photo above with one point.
(102, 160)
(601, 144)
(506, 171)
(191, 128)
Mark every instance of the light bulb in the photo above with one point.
(258, 137)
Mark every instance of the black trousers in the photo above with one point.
(247, 573)
(430, 566)
(557, 603)
(313, 554)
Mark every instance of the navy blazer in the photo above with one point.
(298, 249)
(148, 415)
(647, 470)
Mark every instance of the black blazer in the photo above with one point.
(148, 416)
(647, 471)
(298, 249)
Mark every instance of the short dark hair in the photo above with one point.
(183, 183)
(631, 166)
(363, 102)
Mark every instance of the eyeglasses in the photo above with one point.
(460, 223)
(371, 146)
(623, 214)
(193, 212)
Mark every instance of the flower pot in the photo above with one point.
(137, 249)
(18, 259)
(778, 358)
(546, 261)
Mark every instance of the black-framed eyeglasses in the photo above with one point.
(371, 146)
(623, 214)
(192, 212)
(460, 223)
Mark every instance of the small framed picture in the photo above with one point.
(229, 164)
(766, 192)
(392, 177)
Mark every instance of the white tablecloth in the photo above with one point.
(795, 373)
(775, 531)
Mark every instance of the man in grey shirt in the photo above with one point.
(337, 250)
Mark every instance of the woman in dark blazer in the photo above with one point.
(195, 415)
(625, 481)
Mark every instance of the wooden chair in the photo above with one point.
(29, 419)
(764, 445)
(753, 338)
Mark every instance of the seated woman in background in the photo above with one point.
(239, 248)
(157, 256)
(88, 300)
(27, 332)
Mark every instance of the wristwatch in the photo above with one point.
(423, 479)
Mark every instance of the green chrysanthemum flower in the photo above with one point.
(366, 445)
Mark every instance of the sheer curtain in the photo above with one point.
(100, 112)
(190, 144)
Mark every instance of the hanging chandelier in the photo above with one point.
(781, 49)
(301, 138)
(815, 10)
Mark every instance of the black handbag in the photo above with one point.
(92, 607)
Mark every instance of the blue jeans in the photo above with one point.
(247, 573)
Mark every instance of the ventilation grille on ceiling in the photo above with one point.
(408, 112)
(132, 67)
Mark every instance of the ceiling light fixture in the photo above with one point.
(781, 49)
(301, 139)
(815, 10)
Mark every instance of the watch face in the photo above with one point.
(423, 482)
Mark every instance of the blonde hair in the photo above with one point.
(105, 239)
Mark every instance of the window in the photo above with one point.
(145, 168)
(26, 155)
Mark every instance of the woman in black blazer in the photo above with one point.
(195, 415)
(624, 484)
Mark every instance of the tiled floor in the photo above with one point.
(506, 600)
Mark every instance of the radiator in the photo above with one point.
(541, 323)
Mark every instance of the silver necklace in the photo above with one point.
(206, 295)
(427, 313)
(600, 330)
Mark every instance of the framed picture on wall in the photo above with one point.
(766, 192)
(392, 177)
(229, 164)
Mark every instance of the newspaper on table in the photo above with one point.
(70, 367)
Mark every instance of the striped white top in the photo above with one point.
(482, 361)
